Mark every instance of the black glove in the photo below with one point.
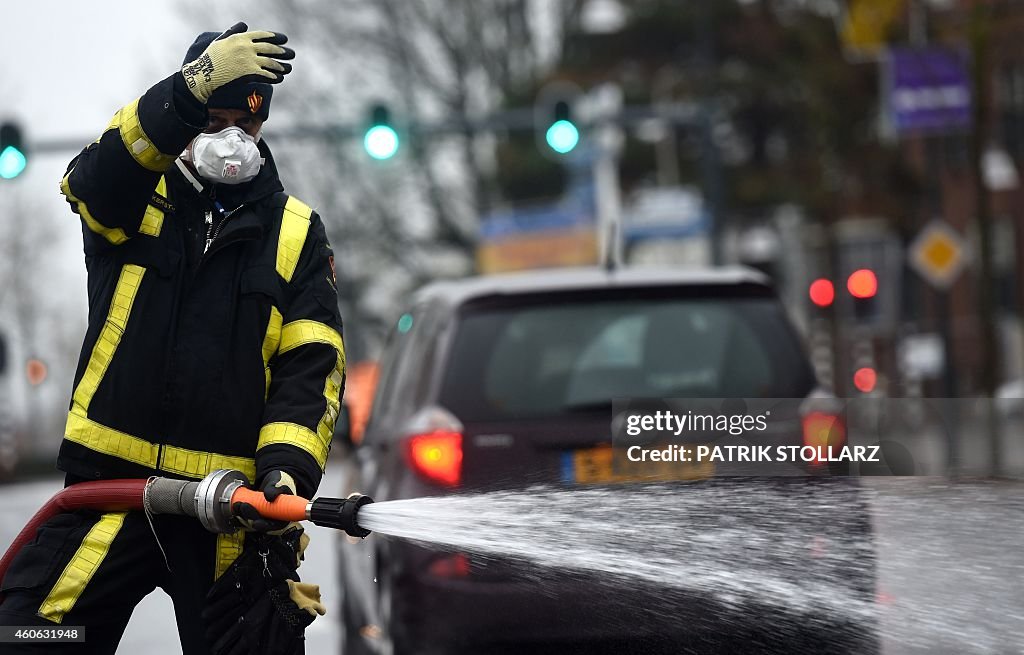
(259, 607)
(238, 55)
(272, 485)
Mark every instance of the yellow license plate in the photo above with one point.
(602, 465)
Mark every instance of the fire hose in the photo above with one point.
(210, 500)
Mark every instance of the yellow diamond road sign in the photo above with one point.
(937, 254)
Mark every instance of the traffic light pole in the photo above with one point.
(680, 114)
(606, 104)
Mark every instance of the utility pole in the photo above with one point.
(607, 103)
(711, 165)
(980, 26)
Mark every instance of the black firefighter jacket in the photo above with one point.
(194, 361)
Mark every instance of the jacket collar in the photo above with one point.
(232, 196)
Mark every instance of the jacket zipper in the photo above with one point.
(211, 232)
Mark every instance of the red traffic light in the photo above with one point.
(865, 379)
(862, 283)
(822, 292)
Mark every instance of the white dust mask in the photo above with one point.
(226, 157)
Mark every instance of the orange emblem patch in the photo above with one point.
(255, 102)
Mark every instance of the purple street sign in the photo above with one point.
(930, 90)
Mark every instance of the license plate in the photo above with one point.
(602, 465)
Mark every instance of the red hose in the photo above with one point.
(105, 495)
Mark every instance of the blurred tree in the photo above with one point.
(35, 316)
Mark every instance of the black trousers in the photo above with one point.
(88, 568)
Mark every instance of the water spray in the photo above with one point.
(209, 500)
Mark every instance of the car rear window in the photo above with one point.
(549, 358)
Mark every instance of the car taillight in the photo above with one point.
(823, 429)
(437, 456)
(453, 565)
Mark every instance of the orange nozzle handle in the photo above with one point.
(285, 507)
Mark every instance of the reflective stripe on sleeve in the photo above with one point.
(294, 226)
(81, 568)
(139, 146)
(110, 336)
(153, 219)
(332, 392)
(114, 235)
(299, 333)
(296, 435)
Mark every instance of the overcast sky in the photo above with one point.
(71, 66)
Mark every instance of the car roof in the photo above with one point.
(456, 292)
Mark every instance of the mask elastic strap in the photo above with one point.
(188, 175)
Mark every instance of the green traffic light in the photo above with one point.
(405, 323)
(562, 136)
(381, 142)
(12, 163)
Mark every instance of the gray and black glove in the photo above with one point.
(237, 54)
(272, 485)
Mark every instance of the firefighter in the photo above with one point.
(214, 341)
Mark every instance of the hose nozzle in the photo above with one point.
(339, 513)
(211, 501)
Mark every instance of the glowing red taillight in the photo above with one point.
(454, 565)
(824, 429)
(437, 456)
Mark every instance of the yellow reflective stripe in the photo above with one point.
(229, 547)
(173, 459)
(153, 220)
(294, 227)
(114, 235)
(81, 568)
(139, 146)
(199, 464)
(109, 441)
(296, 435)
(110, 336)
(299, 333)
(332, 392)
(271, 342)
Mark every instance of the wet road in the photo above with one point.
(951, 568)
(951, 565)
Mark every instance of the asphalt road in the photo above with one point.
(951, 567)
